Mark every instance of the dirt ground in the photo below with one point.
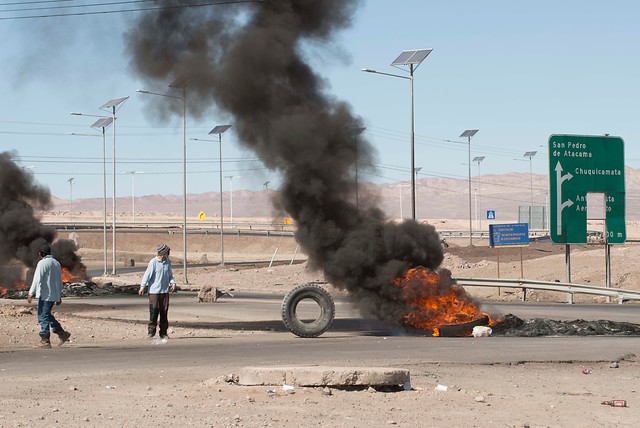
(522, 394)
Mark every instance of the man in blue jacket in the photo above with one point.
(158, 278)
(47, 287)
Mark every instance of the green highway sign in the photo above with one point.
(581, 164)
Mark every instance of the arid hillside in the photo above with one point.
(435, 198)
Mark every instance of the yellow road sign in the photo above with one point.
(201, 216)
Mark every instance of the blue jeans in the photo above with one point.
(46, 319)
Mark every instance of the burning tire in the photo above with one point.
(308, 328)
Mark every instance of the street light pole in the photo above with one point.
(180, 83)
(266, 191)
(530, 155)
(355, 132)
(71, 200)
(418, 169)
(133, 194)
(468, 134)
(400, 192)
(231, 177)
(478, 160)
(219, 130)
(413, 59)
(113, 106)
(102, 123)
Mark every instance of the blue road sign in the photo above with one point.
(491, 214)
(509, 235)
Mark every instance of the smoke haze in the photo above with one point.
(21, 233)
(248, 60)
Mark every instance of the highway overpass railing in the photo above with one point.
(616, 293)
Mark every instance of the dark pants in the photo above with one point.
(158, 306)
(47, 320)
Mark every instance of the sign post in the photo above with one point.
(509, 235)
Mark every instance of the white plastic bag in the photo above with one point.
(481, 331)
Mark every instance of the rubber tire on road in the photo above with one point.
(319, 325)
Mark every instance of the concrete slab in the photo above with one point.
(324, 376)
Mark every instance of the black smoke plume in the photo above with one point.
(249, 61)
(21, 232)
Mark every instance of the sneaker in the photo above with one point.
(44, 343)
(150, 335)
(164, 337)
(63, 336)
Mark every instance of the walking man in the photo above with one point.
(47, 287)
(158, 278)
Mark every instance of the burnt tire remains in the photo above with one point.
(308, 328)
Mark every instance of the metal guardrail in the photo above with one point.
(562, 287)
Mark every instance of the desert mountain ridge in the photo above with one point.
(435, 198)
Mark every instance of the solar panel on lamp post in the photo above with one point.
(113, 106)
(468, 134)
(413, 59)
(219, 130)
(180, 83)
(478, 160)
(530, 155)
(102, 123)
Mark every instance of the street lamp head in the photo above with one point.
(142, 91)
(368, 70)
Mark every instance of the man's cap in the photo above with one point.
(45, 249)
(163, 249)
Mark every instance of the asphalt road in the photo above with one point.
(350, 341)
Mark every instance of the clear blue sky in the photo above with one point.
(517, 71)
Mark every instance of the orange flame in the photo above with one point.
(432, 302)
(78, 274)
(17, 285)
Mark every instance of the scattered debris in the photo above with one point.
(587, 371)
(614, 365)
(210, 294)
(288, 389)
(615, 403)
(512, 326)
(481, 331)
(442, 388)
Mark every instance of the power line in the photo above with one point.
(142, 9)
(75, 6)
(22, 3)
